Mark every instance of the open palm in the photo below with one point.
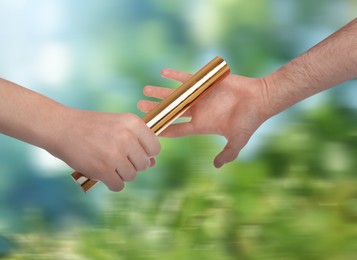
(233, 109)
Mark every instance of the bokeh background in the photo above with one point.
(292, 193)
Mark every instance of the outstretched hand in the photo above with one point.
(233, 109)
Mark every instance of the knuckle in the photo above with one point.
(126, 135)
(127, 173)
(133, 119)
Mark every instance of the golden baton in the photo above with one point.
(176, 104)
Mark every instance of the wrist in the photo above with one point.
(280, 91)
(270, 105)
(57, 129)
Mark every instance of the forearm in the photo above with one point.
(109, 147)
(326, 65)
(29, 116)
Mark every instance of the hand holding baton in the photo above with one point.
(176, 104)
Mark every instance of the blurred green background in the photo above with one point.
(292, 193)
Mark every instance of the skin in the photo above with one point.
(107, 147)
(239, 105)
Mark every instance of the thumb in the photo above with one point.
(231, 150)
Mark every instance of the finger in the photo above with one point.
(113, 181)
(138, 157)
(126, 170)
(175, 75)
(231, 150)
(149, 142)
(157, 92)
(145, 136)
(179, 130)
(229, 153)
(146, 105)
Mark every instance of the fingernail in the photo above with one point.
(152, 162)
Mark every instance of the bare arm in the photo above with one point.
(103, 146)
(237, 107)
(29, 116)
(329, 63)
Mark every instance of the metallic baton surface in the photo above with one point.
(176, 104)
(186, 95)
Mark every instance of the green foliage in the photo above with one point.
(306, 209)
